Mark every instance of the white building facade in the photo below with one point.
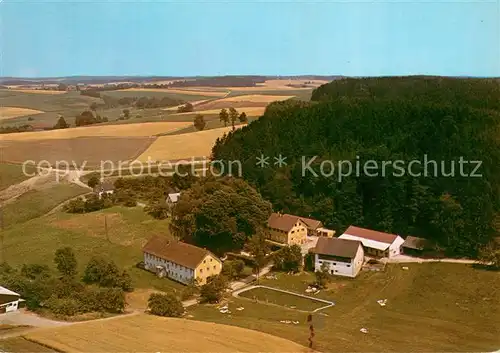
(339, 257)
(377, 244)
(166, 268)
(9, 300)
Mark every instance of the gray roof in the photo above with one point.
(416, 243)
(106, 186)
(337, 247)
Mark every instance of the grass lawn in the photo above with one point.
(432, 307)
(22, 345)
(128, 229)
(11, 174)
(36, 203)
(282, 299)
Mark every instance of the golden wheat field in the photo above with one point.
(255, 98)
(124, 130)
(147, 333)
(196, 92)
(37, 91)
(249, 111)
(14, 112)
(271, 85)
(183, 146)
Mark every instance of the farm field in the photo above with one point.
(174, 147)
(282, 299)
(121, 130)
(12, 174)
(92, 150)
(431, 307)
(128, 231)
(14, 112)
(22, 345)
(119, 335)
(185, 95)
(68, 104)
(249, 111)
(36, 203)
(188, 91)
(37, 91)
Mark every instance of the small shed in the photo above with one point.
(106, 188)
(415, 245)
(9, 300)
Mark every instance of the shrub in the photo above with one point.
(106, 274)
(214, 289)
(63, 306)
(165, 305)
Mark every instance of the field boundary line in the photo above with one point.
(248, 288)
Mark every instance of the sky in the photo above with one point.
(187, 38)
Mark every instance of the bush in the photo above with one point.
(63, 306)
(112, 300)
(288, 259)
(233, 269)
(34, 271)
(165, 305)
(106, 274)
(75, 206)
(214, 289)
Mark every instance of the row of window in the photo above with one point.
(168, 263)
(333, 263)
(208, 269)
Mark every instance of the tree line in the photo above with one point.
(383, 119)
(101, 288)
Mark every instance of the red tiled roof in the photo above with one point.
(283, 222)
(178, 252)
(311, 223)
(371, 234)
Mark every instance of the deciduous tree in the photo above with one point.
(65, 261)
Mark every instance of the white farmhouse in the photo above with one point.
(9, 300)
(342, 257)
(182, 262)
(106, 188)
(375, 243)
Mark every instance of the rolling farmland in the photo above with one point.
(120, 130)
(173, 147)
(37, 91)
(159, 334)
(14, 112)
(93, 150)
(249, 111)
(128, 231)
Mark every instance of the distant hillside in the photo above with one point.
(228, 80)
(383, 119)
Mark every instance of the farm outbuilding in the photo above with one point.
(9, 300)
(416, 245)
(375, 243)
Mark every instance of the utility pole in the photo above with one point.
(106, 227)
(1, 235)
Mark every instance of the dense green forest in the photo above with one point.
(384, 119)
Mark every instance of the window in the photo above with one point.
(334, 264)
(210, 259)
(204, 261)
(201, 270)
(348, 265)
